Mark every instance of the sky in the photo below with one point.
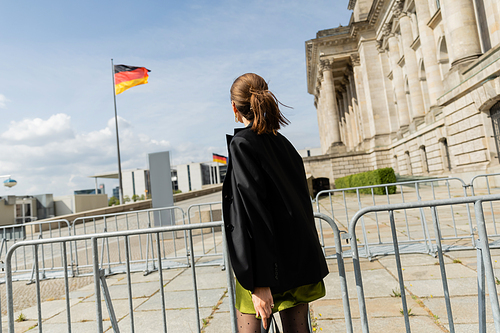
(56, 93)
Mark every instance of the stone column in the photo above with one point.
(429, 53)
(411, 65)
(461, 30)
(355, 109)
(398, 81)
(320, 113)
(388, 88)
(330, 104)
(348, 125)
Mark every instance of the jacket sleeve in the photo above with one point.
(253, 214)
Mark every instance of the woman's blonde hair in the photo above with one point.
(256, 103)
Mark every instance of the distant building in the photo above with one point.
(100, 190)
(194, 176)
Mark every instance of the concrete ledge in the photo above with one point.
(128, 207)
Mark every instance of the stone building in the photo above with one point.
(412, 85)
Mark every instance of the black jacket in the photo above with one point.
(268, 214)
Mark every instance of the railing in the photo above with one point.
(202, 213)
(415, 236)
(51, 266)
(483, 247)
(112, 250)
(99, 275)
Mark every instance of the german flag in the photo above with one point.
(129, 76)
(219, 158)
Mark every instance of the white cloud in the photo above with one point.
(3, 101)
(38, 131)
(61, 163)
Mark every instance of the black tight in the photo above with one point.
(294, 320)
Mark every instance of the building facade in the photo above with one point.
(413, 85)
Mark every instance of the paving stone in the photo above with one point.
(183, 299)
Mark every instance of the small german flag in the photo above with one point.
(127, 77)
(219, 158)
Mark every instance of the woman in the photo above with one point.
(272, 240)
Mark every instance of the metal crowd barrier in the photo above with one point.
(174, 244)
(415, 236)
(202, 213)
(98, 271)
(51, 265)
(485, 268)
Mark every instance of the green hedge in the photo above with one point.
(375, 177)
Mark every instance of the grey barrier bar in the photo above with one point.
(97, 285)
(341, 267)
(129, 286)
(124, 221)
(160, 276)
(481, 292)
(66, 286)
(193, 270)
(477, 200)
(230, 283)
(197, 208)
(400, 271)
(488, 267)
(97, 273)
(38, 296)
(437, 232)
(376, 245)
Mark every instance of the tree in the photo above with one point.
(142, 197)
(126, 198)
(135, 197)
(113, 201)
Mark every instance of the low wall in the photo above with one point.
(128, 207)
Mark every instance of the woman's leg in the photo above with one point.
(247, 323)
(294, 320)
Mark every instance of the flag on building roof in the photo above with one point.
(127, 77)
(219, 158)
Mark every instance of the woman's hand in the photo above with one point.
(263, 303)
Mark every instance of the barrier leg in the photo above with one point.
(162, 291)
(107, 300)
(38, 295)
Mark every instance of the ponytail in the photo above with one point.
(256, 103)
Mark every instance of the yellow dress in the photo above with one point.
(282, 301)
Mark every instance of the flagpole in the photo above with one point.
(117, 138)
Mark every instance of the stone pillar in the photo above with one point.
(492, 10)
(429, 53)
(388, 88)
(398, 82)
(411, 65)
(364, 126)
(461, 30)
(355, 110)
(347, 119)
(321, 124)
(330, 104)
(350, 116)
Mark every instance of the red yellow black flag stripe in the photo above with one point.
(219, 158)
(127, 77)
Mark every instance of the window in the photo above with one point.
(495, 120)
(408, 163)
(423, 157)
(396, 165)
(443, 59)
(445, 154)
